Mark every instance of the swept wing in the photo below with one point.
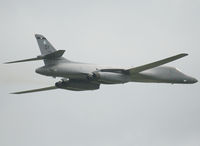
(155, 64)
(36, 90)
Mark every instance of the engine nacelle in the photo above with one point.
(94, 76)
(110, 77)
(77, 85)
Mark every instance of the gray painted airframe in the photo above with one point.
(81, 76)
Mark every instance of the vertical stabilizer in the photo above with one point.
(46, 48)
(44, 45)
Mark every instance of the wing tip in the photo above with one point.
(15, 93)
(35, 90)
(8, 62)
(184, 54)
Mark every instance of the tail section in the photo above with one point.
(47, 49)
(44, 45)
(49, 54)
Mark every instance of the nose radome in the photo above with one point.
(195, 80)
(190, 80)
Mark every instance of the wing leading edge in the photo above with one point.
(155, 64)
(146, 66)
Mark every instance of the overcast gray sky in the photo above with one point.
(112, 32)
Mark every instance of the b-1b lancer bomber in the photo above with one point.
(78, 76)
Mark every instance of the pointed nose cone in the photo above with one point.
(195, 80)
(192, 80)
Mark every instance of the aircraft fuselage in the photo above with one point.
(75, 70)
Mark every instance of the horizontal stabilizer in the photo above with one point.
(155, 64)
(36, 90)
(24, 60)
(52, 55)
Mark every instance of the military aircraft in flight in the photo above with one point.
(78, 76)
